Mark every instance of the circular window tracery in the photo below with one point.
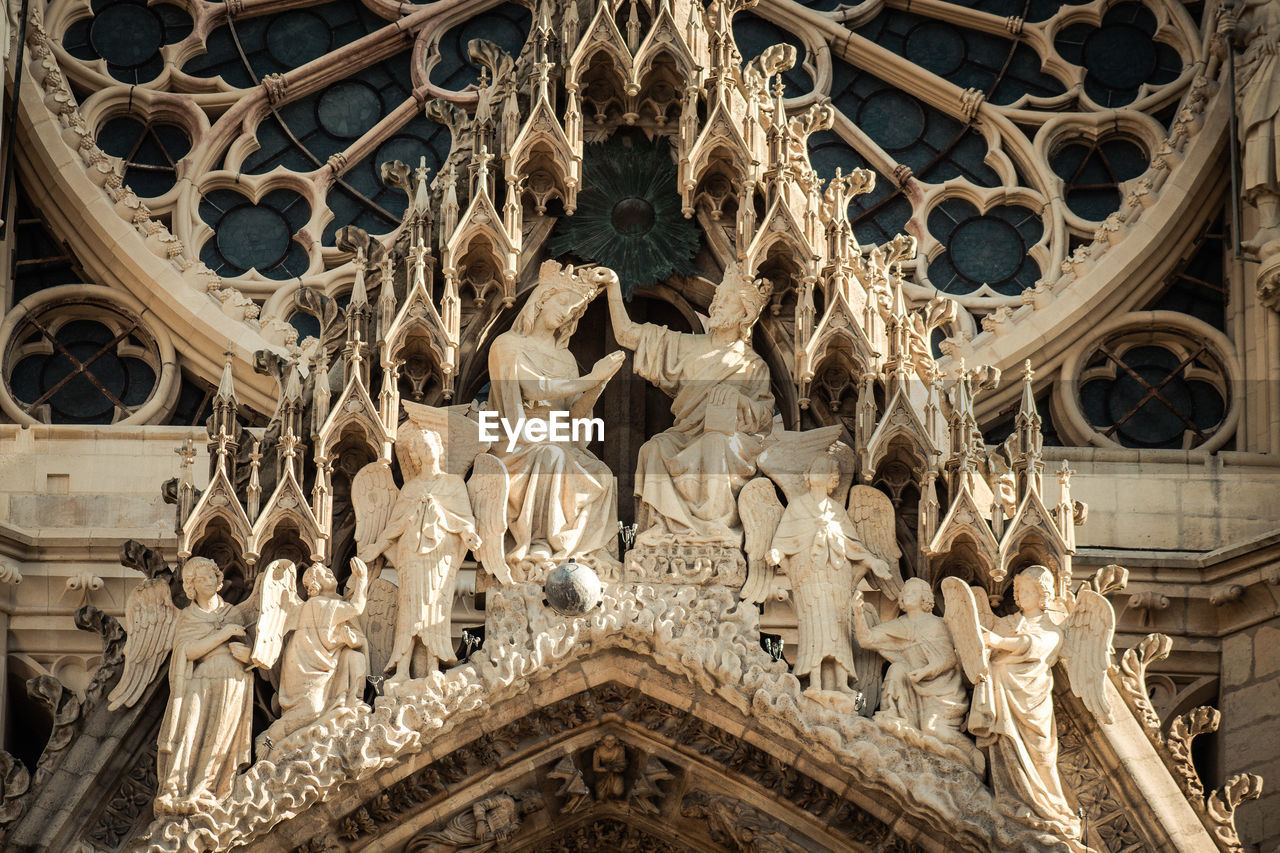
(1093, 171)
(72, 355)
(1121, 55)
(128, 35)
(1162, 393)
(506, 26)
(893, 118)
(991, 248)
(1153, 379)
(255, 236)
(150, 151)
(272, 44)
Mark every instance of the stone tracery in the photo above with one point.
(747, 177)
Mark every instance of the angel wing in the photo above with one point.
(1086, 650)
(846, 461)
(761, 510)
(786, 460)
(149, 622)
(379, 622)
(487, 488)
(277, 611)
(871, 512)
(373, 495)
(961, 616)
(869, 666)
(986, 616)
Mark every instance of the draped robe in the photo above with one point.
(207, 731)
(559, 496)
(934, 704)
(1258, 91)
(1012, 715)
(324, 664)
(688, 477)
(430, 517)
(819, 548)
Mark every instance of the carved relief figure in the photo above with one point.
(688, 478)
(424, 528)
(554, 500)
(609, 761)
(821, 550)
(1256, 27)
(922, 687)
(489, 821)
(1010, 661)
(325, 659)
(206, 733)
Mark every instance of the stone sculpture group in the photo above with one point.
(710, 482)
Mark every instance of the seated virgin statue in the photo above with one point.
(560, 501)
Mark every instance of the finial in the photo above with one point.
(359, 295)
(226, 384)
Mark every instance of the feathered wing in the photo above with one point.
(379, 623)
(459, 434)
(961, 616)
(149, 621)
(487, 488)
(986, 616)
(847, 462)
(760, 509)
(786, 460)
(871, 512)
(373, 496)
(277, 610)
(869, 666)
(1086, 650)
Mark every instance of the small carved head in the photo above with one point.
(201, 578)
(1033, 588)
(318, 579)
(420, 448)
(738, 301)
(558, 302)
(824, 473)
(917, 594)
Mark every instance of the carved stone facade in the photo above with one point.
(810, 589)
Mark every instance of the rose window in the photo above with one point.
(1003, 134)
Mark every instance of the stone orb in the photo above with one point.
(572, 589)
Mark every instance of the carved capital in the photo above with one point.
(970, 102)
(1269, 282)
(275, 85)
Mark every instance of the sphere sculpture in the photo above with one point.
(572, 588)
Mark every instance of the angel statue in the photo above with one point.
(325, 659)
(207, 731)
(688, 477)
(922, 687)
(544, 501)
(423, 528)
(821, 547)
(1010, 662)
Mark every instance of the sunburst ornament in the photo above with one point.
(629, 215)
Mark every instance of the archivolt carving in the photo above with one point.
(703, 636)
